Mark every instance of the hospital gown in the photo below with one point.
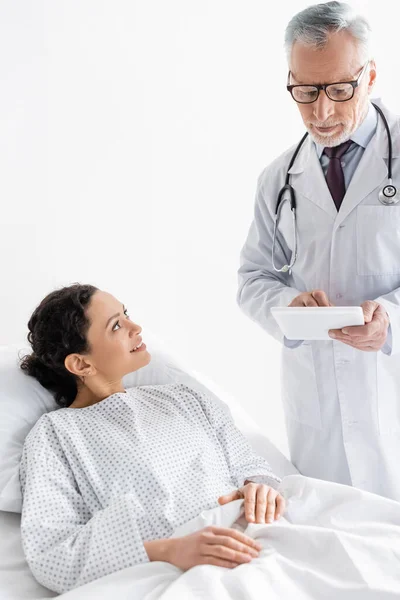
(99, 481)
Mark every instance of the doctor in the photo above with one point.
(341, 397)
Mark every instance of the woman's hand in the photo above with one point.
(261, 503)
(218, 546)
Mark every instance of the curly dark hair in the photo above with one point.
(58, 327)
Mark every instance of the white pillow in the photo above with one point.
(23, 401)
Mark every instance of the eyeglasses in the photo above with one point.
(338, 92)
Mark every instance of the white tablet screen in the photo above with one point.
(313, 323)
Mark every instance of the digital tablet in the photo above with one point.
(314, 322)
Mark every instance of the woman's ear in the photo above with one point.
(77, 365)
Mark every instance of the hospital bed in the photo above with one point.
(16, 581)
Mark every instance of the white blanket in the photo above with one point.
(335, 542)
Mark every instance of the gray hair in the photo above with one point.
(312, 26)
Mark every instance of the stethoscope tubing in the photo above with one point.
(292, 197)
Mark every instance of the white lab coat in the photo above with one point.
(342, 405)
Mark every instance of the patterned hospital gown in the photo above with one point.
(98, 481)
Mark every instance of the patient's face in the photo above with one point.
(112, 337)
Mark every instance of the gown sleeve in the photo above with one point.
(244, 464)
(65, 545)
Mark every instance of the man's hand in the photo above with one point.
(369, 337)
(261, 502)
(315, 298)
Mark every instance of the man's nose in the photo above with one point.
(324, 107)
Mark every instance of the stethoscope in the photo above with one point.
(388, 195)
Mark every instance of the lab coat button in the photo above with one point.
(339, 296)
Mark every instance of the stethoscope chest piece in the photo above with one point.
(389, 194)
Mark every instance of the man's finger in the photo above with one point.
(351, 339)
(360, 332)
(310, 301)
(381, 311)
(369, 307)
(346, 339)
(356, 331)
(320, 297)
(335, 333)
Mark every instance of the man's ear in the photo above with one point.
(372, 76)
(78, 365)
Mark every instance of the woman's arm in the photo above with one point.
(65, 545)
(244, 464)
(159, 550)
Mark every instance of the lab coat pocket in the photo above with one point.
(299, 386)
(388, 394)
(378, 240)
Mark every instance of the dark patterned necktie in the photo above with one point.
(335, 176)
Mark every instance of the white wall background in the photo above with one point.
(131, 137)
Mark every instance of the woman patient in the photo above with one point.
(109, 476)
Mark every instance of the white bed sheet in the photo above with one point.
(348, 548)
(16, 581)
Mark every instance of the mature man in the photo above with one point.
(341, 397)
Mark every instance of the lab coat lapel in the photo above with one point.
(371, 173)
(307, 178)
(372, 170)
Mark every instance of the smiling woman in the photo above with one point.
(83, 344)
(108, 477)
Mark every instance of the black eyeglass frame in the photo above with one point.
(323, 86)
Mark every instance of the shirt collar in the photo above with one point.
(363, 134)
